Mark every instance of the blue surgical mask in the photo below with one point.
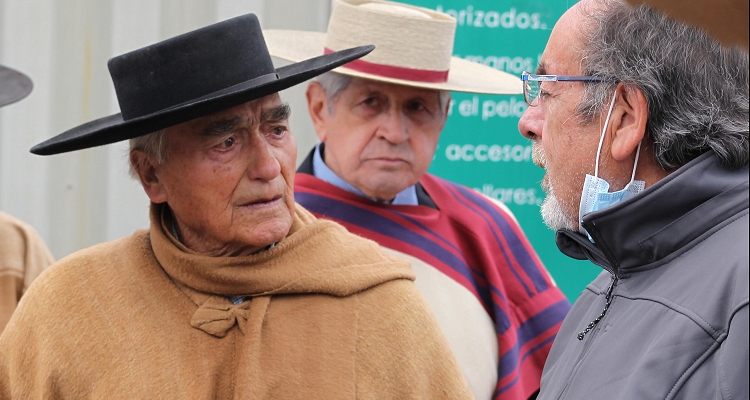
(595, 195)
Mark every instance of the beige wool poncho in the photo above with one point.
(23, 256)
(329, 317)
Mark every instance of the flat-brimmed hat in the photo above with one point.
(189, 76)
(13, 86)
(413, 47)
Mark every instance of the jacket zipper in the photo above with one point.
(590, 327)
(596, 320)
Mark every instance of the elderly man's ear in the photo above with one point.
(317, 106)
(628, 121)
(145, 167)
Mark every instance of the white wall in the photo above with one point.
(82, 198)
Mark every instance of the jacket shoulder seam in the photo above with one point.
(677, 386)
(713, 332)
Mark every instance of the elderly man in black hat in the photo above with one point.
(23, 254)
(235, 291)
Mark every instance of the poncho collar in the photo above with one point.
(317, 256)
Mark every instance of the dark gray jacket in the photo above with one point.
(677, 323)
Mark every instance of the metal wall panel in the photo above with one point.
(87, 197)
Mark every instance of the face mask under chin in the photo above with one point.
(595, 194)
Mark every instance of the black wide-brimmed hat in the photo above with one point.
(13, 86)
(189, 76)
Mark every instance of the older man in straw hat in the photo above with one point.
(235, 292)
(379, 119)
(23, 254)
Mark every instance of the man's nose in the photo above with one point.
(263, 164)
(394, 127)
(530, 124)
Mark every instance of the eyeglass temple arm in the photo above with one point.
(583, 78)
(544, 78)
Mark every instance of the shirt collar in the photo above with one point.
(407, 197)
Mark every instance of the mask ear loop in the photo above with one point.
(637, 154)
(601, 139)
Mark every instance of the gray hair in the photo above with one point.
(696, 90)
(334, 83)
(153, 144)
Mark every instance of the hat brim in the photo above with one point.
(464, 75)
(113, 128)
(14, 86)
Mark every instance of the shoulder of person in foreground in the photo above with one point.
(40, 338)
(401, 351)
(496, 231)
(23, 257)
(21, 248)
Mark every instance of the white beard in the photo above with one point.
(552, 212)
(554, 216)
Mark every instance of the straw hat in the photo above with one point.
(188, 76)
(13, 86)
(413, 47)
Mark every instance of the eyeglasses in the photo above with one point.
(532, 83)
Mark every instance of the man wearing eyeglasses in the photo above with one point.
(641, 124)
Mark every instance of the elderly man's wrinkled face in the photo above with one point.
(228, 178)
(380, 137)
(561, 144)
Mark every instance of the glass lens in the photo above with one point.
(531, 92)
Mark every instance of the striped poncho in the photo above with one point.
(493, 298)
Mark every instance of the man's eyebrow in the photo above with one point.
(221, 127)
(276, 114)
(426, 100)
(541, 69)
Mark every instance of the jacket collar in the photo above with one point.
(307, 167)
(693, 201)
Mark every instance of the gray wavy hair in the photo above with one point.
(334, 83)
(697, 90)
(152, 144)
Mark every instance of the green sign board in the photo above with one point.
(480, 146)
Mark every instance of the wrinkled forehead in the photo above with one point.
(255, 112)
(562, 55)
(387, 88)
(252, 111)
